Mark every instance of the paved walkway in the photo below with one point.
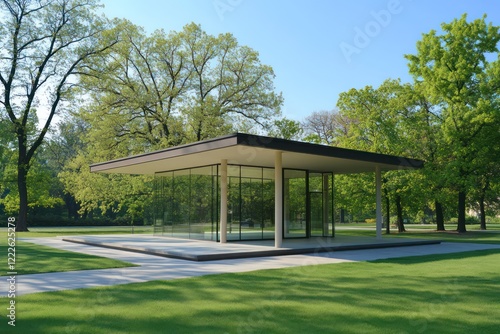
(157, 268)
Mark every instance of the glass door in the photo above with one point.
(319, 205)
(316, 214)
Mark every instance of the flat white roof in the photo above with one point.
(253, 150)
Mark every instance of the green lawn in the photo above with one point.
(455, 293)
(35, 259)
(428, 232)
(79, 230)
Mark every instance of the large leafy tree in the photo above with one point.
(154, 91)
(40, 177)
(458, 70)
(43, 45)
(382, 122)
(160, 90)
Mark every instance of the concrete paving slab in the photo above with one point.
(201, 250)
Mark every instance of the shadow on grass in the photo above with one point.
(439, 257)
(36, 259)
(346, 298)
(488, 237)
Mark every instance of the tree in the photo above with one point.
(382, 121)
(326, 127)
(229, 83)
(112, 193)
(150, 92)
(287, 129)
(63, 146)
(453, 70)
(486, 175)
(43, 46)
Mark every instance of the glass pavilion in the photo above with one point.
(248, 187)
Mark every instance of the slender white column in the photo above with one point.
(278, 200)
(378, 185)
(223, 201)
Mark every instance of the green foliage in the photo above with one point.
(356, 194)
(156, 91)
(43, 46)
(449, 117)
(454, 72)
(40, 186)
(152, 92)
(287, 129)
(111, 193)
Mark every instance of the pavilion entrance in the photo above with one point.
(308, 204)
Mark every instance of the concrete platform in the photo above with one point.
(200, 250)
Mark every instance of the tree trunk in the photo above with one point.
(72, 207)
(482, 213)
(439, 216)
(461, 212)
(401, 226)
(22, 173)
(388, 216)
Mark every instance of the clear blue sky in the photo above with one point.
(314, 46)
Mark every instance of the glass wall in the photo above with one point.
(295, 203)
(250, 203)
(186, 203)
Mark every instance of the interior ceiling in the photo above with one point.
(239, 155)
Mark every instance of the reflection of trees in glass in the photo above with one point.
(187, 200)
(201, 189)
(251, 202)
(268, 204)
(295, 203)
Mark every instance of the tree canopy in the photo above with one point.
(458, 73)
(152, 92)
(43, 46)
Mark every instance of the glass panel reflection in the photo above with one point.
(294, 201)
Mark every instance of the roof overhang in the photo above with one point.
(252, 150)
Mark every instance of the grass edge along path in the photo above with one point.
(37, 259)
(448, 293)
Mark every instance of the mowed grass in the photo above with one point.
(36, 232)
(473, 235)
(35, 259)
(453, 293)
